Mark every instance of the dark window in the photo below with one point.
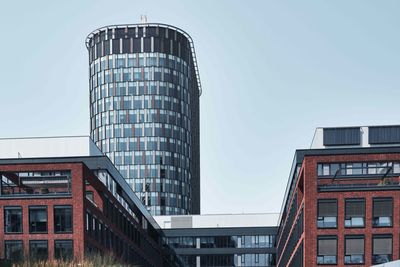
(151, 31)
(355, 213)
(13, 220)
(175, 46)
(221, 260)
(156, 44)
(38, 249)
(115, 46)
(381, 249)
(327, 213)
(147, 44)
(327, 250)
(382, 212)
(119, 33)
(13, 250)
(62, 219)
(98, 50)
(354, 250)
(63, 249)
(161, 32)
(102, 36)
(167, 46)
(140, 32)
(136, 45)
(126, 46)
(107, 47)
(131, 32)
(38, 219)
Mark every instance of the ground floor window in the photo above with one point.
(38, 249)
(13, 250)
(63, 249)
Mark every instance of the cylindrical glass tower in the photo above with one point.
(144, 111)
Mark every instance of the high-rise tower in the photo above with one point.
(144, 111)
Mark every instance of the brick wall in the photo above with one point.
(311, 195)
(76, 201)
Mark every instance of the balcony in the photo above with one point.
(35, 184)
(359, 184)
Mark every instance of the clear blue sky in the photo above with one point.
(271, 71)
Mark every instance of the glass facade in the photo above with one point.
(250, 260)
(144, 110)
(225, 250)
(241, 241)
(358, 169)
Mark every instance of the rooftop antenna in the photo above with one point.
(143, 18)
(19, 155)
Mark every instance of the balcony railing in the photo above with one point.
(388, 183)
(16, 184)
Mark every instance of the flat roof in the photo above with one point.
(67, 149)
(218, 220)
(48, 147)
(318, 148)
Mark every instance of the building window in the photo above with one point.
(358, 169)
(63, 249)
(354, 250)
(328, 169)
(13, 250)
(38, 219)
(382, 212)
(62, 219)
(327, 213)
(90, 196)
(327, 250)
(381, 249)
(38, 249)
(12, 219)
(354, 213)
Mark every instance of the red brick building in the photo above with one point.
(342, 202)
(72, 204)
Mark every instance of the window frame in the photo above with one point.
(21, 242)
(38, 240)
(344, 252)
(373, 212)
(22, 220)
(47, 218)
(327, 237)
(54, 219)
(327, 200)
(365, 212)
(72, 248)
(378, 236)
